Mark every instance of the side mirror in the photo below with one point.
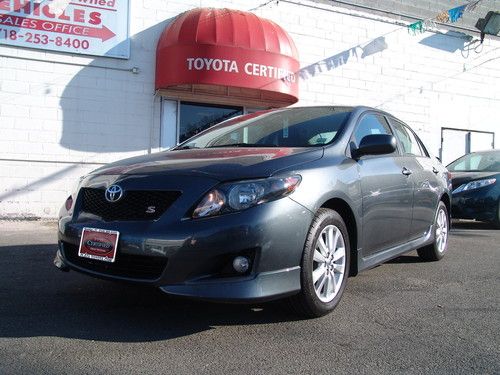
(375, 144)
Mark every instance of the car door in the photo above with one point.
(423, 176)
(386, 192)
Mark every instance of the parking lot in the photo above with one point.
(405, 316)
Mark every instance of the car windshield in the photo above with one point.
(292, 127)
(477, 162)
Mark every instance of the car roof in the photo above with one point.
(490, 151)
(484, 152)
(355, 109)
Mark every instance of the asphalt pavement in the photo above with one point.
(405, 316)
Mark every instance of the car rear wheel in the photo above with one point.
(436, 250)
(324, 267)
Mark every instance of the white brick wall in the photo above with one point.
(65, 114)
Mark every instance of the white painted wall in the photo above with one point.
(68, 115)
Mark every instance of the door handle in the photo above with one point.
(406, 171)
(434, 170)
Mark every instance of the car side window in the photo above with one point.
(407, 139)
(370, 124)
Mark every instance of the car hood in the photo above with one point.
(459, 178)
(220, 163)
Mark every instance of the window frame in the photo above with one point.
(422, 148)
(164, 127)
(351, 142)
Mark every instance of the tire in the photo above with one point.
(436, 250)
(323, 272)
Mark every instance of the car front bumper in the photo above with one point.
(478, 204)
(194, 257)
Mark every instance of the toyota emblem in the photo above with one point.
(113, 193)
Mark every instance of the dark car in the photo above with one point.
(476, 186)
(280, 203)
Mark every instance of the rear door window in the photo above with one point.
(407, 139)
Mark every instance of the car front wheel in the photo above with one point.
(436, 250)
(324, 267)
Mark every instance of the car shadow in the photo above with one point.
(39, 300)
(471, 228)
(406, 259)
(471, 224)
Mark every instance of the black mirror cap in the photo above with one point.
(375, 144)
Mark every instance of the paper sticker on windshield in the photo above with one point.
(285, 128)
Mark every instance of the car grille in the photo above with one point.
(135, 204)
(125, 265)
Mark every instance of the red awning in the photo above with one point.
(228, 48)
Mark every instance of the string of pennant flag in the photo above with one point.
(380, 43)
(448, 16)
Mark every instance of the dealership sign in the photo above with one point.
(229, 66)
(228, 49)
(250, 68)
(90, 27)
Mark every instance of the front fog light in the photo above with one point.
(241, 264)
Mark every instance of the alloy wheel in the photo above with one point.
(328, 263)
(441, 231)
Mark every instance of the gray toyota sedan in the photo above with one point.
(284, 203)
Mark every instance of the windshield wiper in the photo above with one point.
(244, 145)
(185, 147)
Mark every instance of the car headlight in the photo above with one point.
(237, 196)
(474, 185)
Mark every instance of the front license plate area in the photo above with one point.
(98, 244)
